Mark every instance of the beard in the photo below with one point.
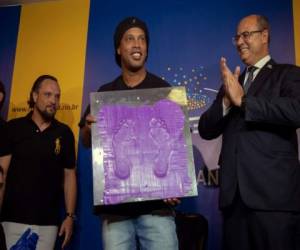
(47, 116)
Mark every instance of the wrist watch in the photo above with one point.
(71, 215)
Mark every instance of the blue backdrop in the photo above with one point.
(9, 24)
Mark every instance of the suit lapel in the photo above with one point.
(242, 77)
(261, 78)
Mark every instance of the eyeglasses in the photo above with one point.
(245, 35)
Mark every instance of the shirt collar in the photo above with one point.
(262, 62)
(53, 123)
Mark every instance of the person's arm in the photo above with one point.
(69, 184)
(85, 130)
(226, 105)
(70, 192)
(232, 88)
(213, 121)
(85, 127)
(4, 163)
(86, 121)
(282, 110)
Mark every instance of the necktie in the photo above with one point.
(250, 71)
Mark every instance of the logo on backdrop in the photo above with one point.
(62, 107)
(199, 99)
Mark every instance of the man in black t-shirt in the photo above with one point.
(149, 223)
(37, 154)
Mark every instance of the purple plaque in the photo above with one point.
(144, 151)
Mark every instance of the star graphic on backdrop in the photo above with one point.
(193, 80)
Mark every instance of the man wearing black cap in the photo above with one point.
(150, 224)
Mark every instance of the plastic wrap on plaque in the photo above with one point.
(141, 146)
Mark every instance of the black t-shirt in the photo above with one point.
(34, 184)
(134, 208)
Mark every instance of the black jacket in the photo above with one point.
(259, 149)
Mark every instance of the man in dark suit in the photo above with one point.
(258, 114)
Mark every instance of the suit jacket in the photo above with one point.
(259, 154)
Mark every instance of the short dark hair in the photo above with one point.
(36, 86)
(2, 90)
(263, 24)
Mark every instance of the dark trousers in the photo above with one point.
(249, 229)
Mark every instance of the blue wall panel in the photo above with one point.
(9, 25)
